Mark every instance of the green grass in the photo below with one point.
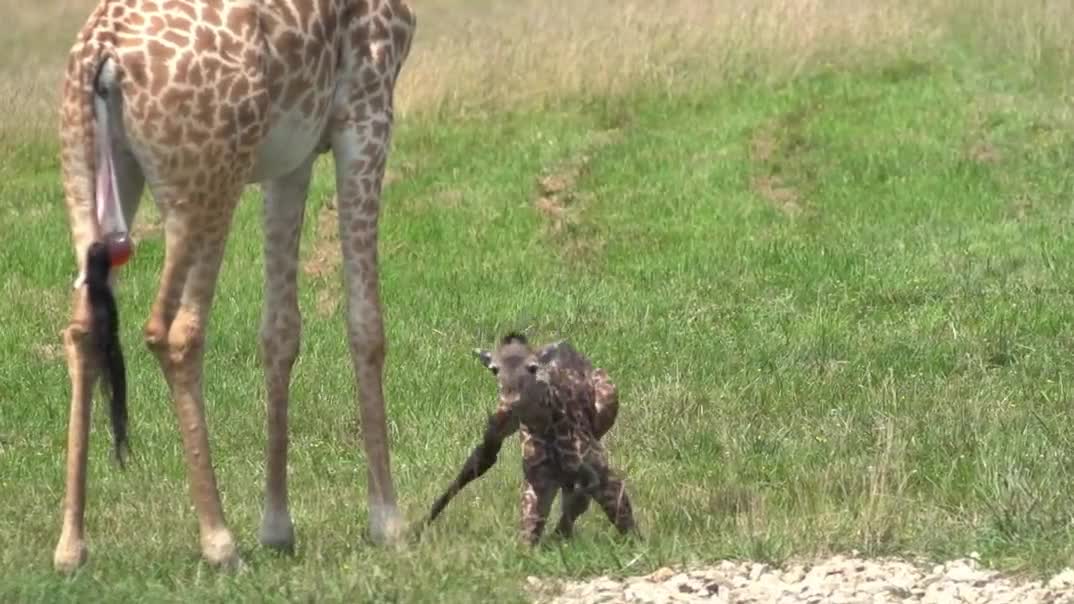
(838, 308)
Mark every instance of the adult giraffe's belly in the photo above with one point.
(291, 139)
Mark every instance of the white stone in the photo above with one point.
(1063, 581)
(874, 587)
(728, 567)
(966, 574)
(837, 580)
(757, 570)
(793, 574)
(642, 594)
(679, 580)
(607, 584)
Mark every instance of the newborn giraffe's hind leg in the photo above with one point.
(611, 496)
(574, 503)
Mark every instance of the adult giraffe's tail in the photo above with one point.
(106, 253)
(105, 333)
(89, 183)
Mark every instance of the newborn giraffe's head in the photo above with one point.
(514, 363)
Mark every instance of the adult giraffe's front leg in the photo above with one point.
(360, 147)
(281, 327)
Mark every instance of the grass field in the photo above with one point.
(823, 247)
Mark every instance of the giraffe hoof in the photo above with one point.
(278, 533)
(386, 526)
(218, 549)
(70, 555)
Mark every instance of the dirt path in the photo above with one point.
(835, 580)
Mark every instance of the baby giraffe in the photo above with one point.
(561, 405)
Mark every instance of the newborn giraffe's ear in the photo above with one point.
(484, 356)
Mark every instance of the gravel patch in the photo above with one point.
(838, 580)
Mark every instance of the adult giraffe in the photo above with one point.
(198, 98)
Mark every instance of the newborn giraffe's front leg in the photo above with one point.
(539, 487)
(538, 492)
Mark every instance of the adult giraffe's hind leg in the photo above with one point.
(82, 357)
(71, 549)
(175, 332)
(281, 326)
(360, 148)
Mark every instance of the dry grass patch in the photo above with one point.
(324, 259)
(782, 197)
(489, 55)
(557, 196)
(566, 211)
(48, 352)
(492, 55)
(1033, 34)
(506, 54)
(779, 152)
(35, 39)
